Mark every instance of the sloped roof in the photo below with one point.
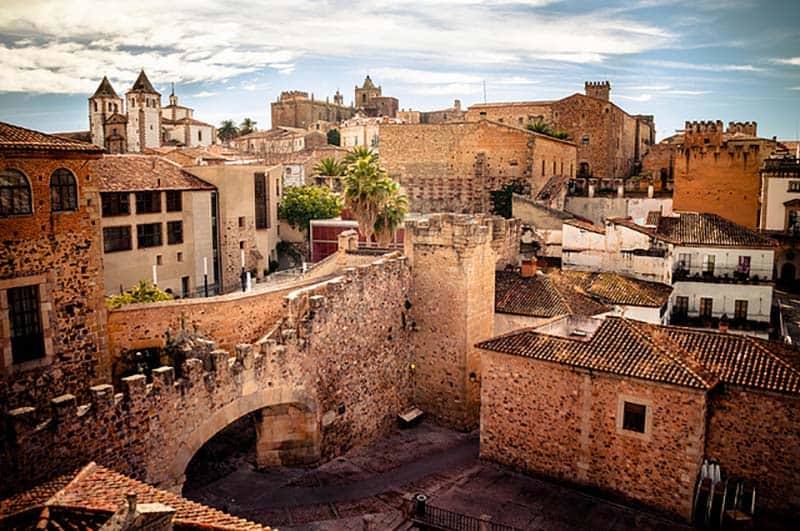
(105, 90)
(142, 84)
(585, 225)
(184, 120)
(96, 489)
(541, 296)
(553, 187)
(693, 228)
(117, 118)
(681, 356)
(613, 288)
(368, 84)
(136, 172)
(13, 137)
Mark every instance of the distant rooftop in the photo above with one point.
(15, 138)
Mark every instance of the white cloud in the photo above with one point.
(795, 88)
(204, 94)
(66, 45)
(793, 61)
(450, 89)
(651, 87)
(688, 92)
(640, 97)
(680, 65)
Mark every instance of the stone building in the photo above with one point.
(157, 224)
(278, 143)
(442, 116)
(298, 168)
(247, 218)
(142, 123)
(52, 314)
(455, 166)
(364, 131)
(370, 101)
(296, 109)
(714, 169)
(610, 142)
(634, 409)
(780, 213)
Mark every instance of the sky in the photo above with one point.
(733, 60)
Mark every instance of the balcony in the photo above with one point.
(678, 318)
(782, 166)
(739, 276)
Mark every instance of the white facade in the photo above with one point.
(776, 192)
(144, 120)
(364, 131)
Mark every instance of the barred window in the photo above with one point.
(15, 193)
(117, 239)
(115, 204)
(148, 235)
(63, 191)
(174, 232)
(148, 202)
(174, 201)
(27, 340)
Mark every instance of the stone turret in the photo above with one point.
(103, 104)
(144, 115)
(598, 89)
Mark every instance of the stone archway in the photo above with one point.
(288, 431)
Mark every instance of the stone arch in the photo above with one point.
(256, 401)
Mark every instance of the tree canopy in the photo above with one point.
(334, 137)
(300, 204)
(544, 129)
(330, 167)
(144, 291)
(227, 131)
(247, 126)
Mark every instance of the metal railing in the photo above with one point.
(432, 517)
(738, 276)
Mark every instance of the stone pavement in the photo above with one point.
(439, 462)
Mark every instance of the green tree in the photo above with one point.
(373, 198)
(360, 152)
(542, 128)
(247, 126)
(300, 204)
(329, 167)
(334, 137)
(144, 291)
(227, 131)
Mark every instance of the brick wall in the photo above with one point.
(60, 251)
(561, 423)
(756, 437)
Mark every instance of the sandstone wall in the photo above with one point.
(756, 436)
(301, 113)
(61, 252)
(548, 419)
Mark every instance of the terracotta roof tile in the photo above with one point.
(13, 137)
(692, 228)
(553, 187)
(613, 288)
(104, 89)
(585, 225)
(541, 296)
(681, 356)
(123, 173)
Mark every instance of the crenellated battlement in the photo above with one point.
(747, 128)
(598, 89)
(703, 126)
(293, 95)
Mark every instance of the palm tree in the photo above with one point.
(366, 189)
(227, 131)
(360, 152)
(247, 126)
(329, 167)
(391, 216)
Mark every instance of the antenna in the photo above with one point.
(484, 91)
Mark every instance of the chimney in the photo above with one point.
(131, 497)
(528, 268)
(457, 105)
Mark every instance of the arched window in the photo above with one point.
(15, 193)
(63, 191)
(95, 106)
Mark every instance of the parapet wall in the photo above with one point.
(340, 351)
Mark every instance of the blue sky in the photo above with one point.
(679, 60)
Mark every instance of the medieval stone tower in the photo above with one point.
(107, 118)
(365, 93)
(144, 115)
(453, 259)
(598, 89)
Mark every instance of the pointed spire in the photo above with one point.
(105, 90)
(142, 84)
(368, 84)
(173, 89)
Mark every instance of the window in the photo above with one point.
(199, 136)
(241, 222)
(585, 140)
(794, 186)
(261, 200)
(184, 287)
(115, 204)
(15, 193)
(708, 264)
(148, 202)
(159, 259)
(174, 201)
(634, 417)
(148, 235)
(542, 168)
(744, 265)
(740, 310)
(174, 232)
(180, 256)
(554, 167)
(681, 308)
(706, 307)
(116, 239)
(793, 220)
(63, 191)
(685, 261)
(27, 339)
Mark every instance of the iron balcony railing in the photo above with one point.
(738, 276)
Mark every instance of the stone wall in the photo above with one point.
(296, 109)
(756, 436)
(350, 369)
(562, 423)
(454, 167)
(61, 253)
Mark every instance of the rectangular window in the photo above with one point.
(117, 239)
(634, 417)
(794, 186)
(174, 201)
(148, 235)
(174, 232)
(744, 265)
(708, 264)
(184, 287)
(685, 261)
(542, 168)
(681, 307)
(706, 307)
(740, 310)
(115, 204)
(793, 221)
(261, 197)
(148, 202)
(27, 339)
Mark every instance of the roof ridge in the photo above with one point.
(82, 473)
(774, 356)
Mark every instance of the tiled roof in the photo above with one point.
(98, 489)
(692, 228)
(142, 84)
(681, 356)
(585, 225)
(653, 217)
(554, 186)
(541, 296)
(183, 121)
(13, 137)
(126, 173)
(104, 89)
(613, 288)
